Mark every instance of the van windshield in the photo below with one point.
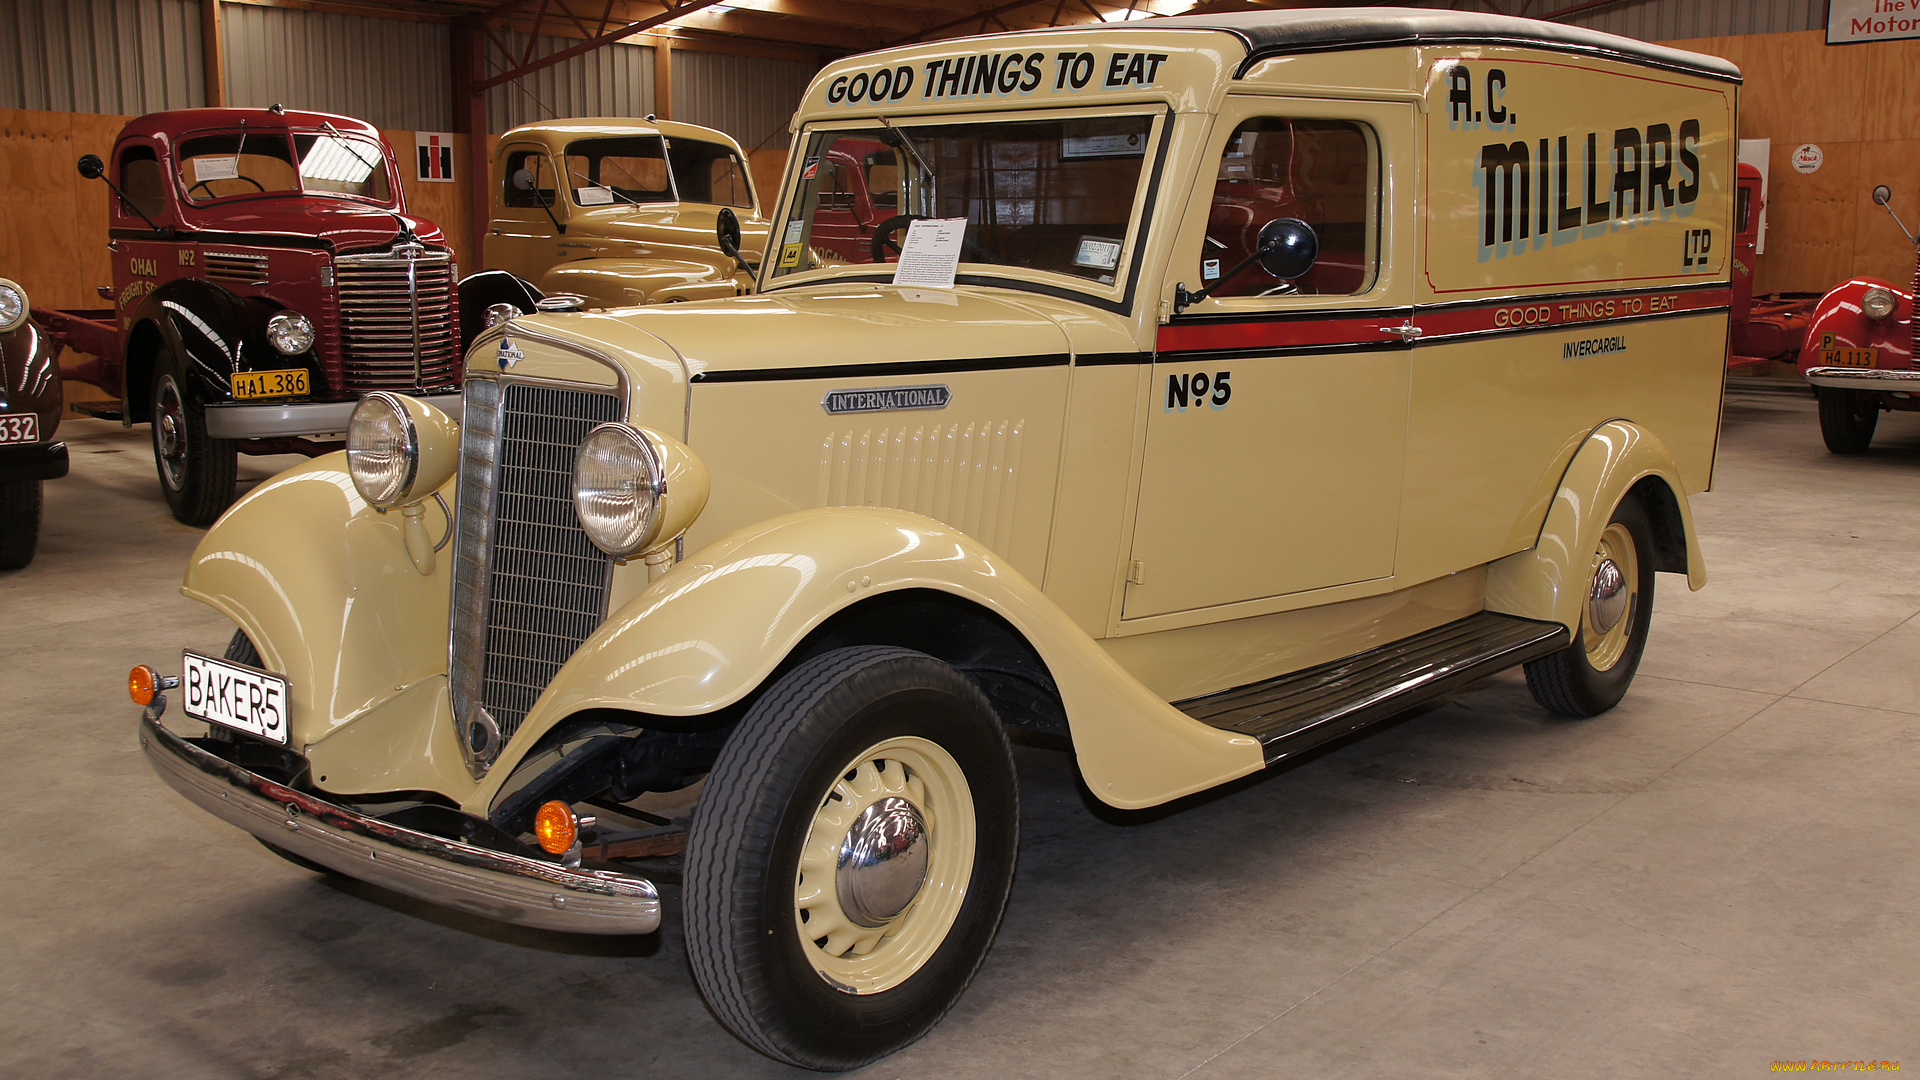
(1056, 195)
(257, 162)
(635, 169)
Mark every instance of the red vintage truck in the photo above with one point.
(266, 274)
(1765, 328)
(1859, 353)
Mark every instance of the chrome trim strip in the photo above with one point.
(466, 642)
(239, 421)
(1849, 378)
(510, 888)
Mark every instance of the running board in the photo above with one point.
(1296, 712)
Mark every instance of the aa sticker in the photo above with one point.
(790, 256)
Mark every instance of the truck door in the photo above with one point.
(523, 239)
(1276, 428)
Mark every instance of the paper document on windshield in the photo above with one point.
(931, 253)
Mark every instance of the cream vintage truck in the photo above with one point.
(1296, 367)
(619, 212)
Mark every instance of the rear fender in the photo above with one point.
(1838, 323)
(1549, 580)
(711, 631)
(324, 588)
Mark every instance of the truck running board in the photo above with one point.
(1296, 712)
(99, 410)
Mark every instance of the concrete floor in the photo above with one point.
(1716, 875)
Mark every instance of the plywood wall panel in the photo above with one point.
(1880, 249)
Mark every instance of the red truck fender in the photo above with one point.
(1839, 323)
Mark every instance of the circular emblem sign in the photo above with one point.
(1807, 158)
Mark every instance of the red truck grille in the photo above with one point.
(397, 320)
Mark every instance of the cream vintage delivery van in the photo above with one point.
(1295, 367)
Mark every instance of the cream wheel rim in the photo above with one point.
(1606, 645)
(862, 959)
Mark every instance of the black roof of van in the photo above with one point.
(1308, 30)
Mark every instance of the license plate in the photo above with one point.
(1850, 357)
(259, 384)
(19, 428)
(233, 695)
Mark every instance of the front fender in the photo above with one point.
(713, 628)
(215, 333)
(325, 590)
(1838, 323)
(628, 282)
(1549, 580)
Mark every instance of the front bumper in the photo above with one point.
(510, 888)
(1853, 378)
(21, 462)
(236, 420)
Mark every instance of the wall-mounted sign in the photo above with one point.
(434, 156)
(1807, 158)
(1852, 21)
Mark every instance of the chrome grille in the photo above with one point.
(397, 320)
(236, 266)
(528, 586)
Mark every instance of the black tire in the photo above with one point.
(1570, 682)
(1847, 418)
(784, 765)
(19, 523)
(196, 470)
(240, 650)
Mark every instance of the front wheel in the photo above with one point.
(1591, 676)
(851, 857)
(1847, 419)
(196, 470)
(19, 523)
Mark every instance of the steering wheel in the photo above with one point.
(236, 176)
(882, 240)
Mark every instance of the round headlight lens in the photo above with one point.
(1877, 302)
(383, 451)
(617, 484)
(290, 332)
(13, 305)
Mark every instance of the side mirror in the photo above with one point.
(727, 232)
(1882, 194)
(522, 180)
(92, 167)
(1288, 247)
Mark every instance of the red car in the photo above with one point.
(1859, 354)
(265, 275)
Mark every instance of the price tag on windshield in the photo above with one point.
(216, 168)
(930, 254)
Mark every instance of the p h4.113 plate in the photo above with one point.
(235, 696)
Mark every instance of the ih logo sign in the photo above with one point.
(434, 156)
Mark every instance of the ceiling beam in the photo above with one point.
(667, 16)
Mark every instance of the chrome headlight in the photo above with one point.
(635, 490)
(400, 449)
(13, 305)
(290, 333)
(1877, 302)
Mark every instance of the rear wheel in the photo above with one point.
(851, 857)
(1847, 418)
(196, 470)
(19, 523)
(1591, 676)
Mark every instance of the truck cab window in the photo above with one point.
(709, 173)
(143, 181)
(626, 169)
(1319, 171)
(238, 163)
(542, 192)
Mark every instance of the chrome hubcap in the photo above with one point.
(1608, 599)
(170, 435)
(883, 862)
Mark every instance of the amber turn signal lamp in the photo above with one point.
(142, 684)
(554, 826)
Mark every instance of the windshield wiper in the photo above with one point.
(913, 151)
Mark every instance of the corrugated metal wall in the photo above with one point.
(389, 72)
(122, 57)
(748, 98)
(613, 81)
(1667, 20)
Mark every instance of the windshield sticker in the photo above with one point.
(790, 256)
(811, 169)
(999, 75)
(593, 196)
(794, 228)
(1073, 147)
(216, 168)
(930, 255)
(887, 399)
(1097, 253)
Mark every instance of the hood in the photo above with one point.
(813, 331)
(341, 224)
(689, 225)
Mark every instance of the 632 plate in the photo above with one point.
(1850, 357)
(234, 695)
(19, 428)
(259, 384)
